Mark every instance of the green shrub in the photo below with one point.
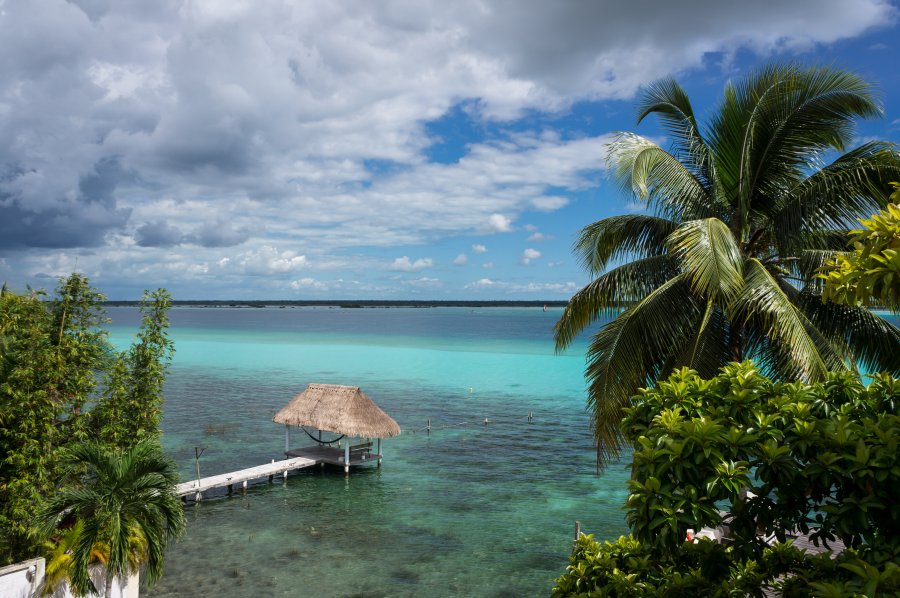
(821, 459)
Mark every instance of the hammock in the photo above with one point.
(322, 441)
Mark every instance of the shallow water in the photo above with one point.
(469, 510)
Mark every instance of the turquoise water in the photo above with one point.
(471, 510)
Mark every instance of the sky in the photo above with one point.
(360, 149)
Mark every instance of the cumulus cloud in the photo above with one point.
(266, 260)
(404, 264)
(173, 133)
(479, 249)
(529, 255)
(461, 260)
(499, 223)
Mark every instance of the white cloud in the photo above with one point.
(539, 237)
(487, 265)
(529, 255)
(308, 284)
(481, 283)
(479, 249)
(566, 288)
(404, 264)
(424, 282)
(499, 223)
(135, 129)
(265, 261)
(461, 260)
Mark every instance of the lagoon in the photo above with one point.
(469, 510)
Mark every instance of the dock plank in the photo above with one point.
(238, 477)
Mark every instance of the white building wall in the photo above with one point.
(23, 580)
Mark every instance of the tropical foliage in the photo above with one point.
(57, 374)
(131, 407)
(870, 273)
(745, 215)
(761, 458)
(122, 504)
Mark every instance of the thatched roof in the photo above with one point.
(339, 409)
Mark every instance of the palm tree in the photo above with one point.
(124, 503)
(746, 211)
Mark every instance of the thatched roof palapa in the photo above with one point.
(339, 409)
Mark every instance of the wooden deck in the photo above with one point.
(332, 455)
(229, 480)
(295, 459)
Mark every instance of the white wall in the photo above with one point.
(23, 580)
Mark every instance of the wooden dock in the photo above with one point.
(240, 478)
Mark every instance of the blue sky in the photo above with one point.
(313, 150)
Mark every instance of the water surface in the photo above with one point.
(471, 510)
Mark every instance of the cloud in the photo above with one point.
(265, 261)
(499, 223)
(487, 265)
(565, 288)
(539, 237)
(461, 260)
(424, 283)
(308, 284)
(403, 264)
(158, 234)
(481, 283)
(479, 249)
(529, 255)
(135, 130)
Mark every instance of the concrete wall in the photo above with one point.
(23, 580)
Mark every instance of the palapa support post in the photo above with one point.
(347, 458)
(287, 438)
(378, 450)
(428, 426)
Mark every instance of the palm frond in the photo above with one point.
(763, 301)
(803, 113)
(651, 173)
(667, 100)
(709, 255)
(626, 352)
(616, 237)
(834, 197)
(611, 292)
(873, 341)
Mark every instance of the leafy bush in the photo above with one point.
(765, 459)
(871, 271)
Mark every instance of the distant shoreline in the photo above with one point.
(346, 304)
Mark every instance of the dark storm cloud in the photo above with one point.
(83, 224)
(60, 222)
(218, 234)
(212, 234)
(158, 234)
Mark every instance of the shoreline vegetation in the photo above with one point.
(344, 304)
